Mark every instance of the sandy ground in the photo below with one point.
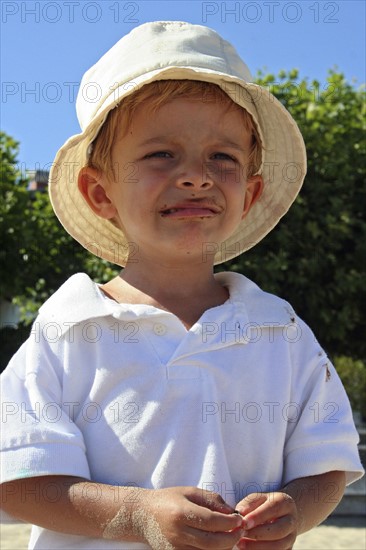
(337, 533)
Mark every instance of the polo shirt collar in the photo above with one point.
(80, 299)
(258, 307)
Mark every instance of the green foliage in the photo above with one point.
(353, 376)
(14, 199)
(36, 253)
(11, 339)
(315, 257)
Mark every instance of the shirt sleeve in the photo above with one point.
(38, 437)
(321, 435)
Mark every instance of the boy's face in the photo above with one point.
(181, 179)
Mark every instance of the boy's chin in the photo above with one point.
(188, 258)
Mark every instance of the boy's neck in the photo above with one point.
(187, 292)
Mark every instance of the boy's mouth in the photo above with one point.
(191, 209)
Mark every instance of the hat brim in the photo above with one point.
(283, 168)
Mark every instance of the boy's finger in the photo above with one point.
(267, 509)
(218, 541)
(213, 501)
(251, 544)
(207, 520)
(277, 529)
(250, 503)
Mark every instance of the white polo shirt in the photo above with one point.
(244, 401)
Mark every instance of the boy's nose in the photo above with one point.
(195, 176)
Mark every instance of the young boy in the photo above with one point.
(172, 408)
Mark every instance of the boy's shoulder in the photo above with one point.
(78, 299)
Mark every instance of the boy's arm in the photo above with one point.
(316, 497)
(278, 518)
(166, 519)
(65, 504)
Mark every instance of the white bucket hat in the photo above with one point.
(165, 50)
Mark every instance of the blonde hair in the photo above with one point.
(158, 93)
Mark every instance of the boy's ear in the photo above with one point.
(92, 185)
(253, 192)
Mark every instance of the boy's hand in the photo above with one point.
(271, 521)
(180, 518)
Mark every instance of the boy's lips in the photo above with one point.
(191, 209)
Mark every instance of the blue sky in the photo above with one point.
(46, 46)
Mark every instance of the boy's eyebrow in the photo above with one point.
(229, 143)
(218, 143)
(156, 139)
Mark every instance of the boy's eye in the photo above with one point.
(223, 156)
(158, 154)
